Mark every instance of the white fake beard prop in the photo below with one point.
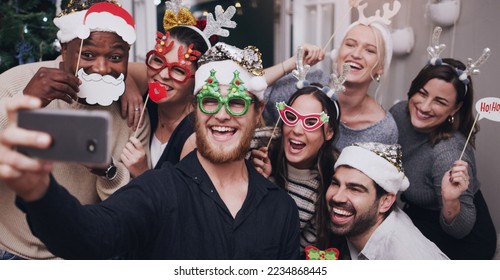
(99, 89)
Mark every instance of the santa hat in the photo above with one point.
(225, 60)
(381, 162)
(103, 16)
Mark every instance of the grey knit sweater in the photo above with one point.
(385, 131)
(425, 166)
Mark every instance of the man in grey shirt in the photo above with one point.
(361, 201)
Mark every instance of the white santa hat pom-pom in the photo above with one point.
(257, 85)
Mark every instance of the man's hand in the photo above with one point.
(26, 176)
(51, 83)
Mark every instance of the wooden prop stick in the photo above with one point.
(79, 55)
(78, 63)
(140, 117)
(468, 137)
(335, 30)
(274, 130)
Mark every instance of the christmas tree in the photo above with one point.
(27, 33)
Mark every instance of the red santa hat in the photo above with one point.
(103, 16)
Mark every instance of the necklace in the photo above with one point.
(356, 116)
(353, 119)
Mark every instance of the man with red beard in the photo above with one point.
(211, 205)
(99, 49)
(361, 201)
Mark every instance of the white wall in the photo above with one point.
(144, 13)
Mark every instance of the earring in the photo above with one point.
(451, 119)
(377, 78)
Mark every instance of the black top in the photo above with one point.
(171, 213)
(181, 133)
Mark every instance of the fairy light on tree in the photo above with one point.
(27, 33)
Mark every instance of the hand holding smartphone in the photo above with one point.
(77, 135)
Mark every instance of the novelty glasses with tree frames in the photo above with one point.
(235, 103)
(176, 71)
(309, 122)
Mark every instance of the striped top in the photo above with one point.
(302, 185)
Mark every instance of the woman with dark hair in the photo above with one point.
(303, 157)
(170, 72)
(433, 127)
(168, 78)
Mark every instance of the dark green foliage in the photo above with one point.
(24, 35)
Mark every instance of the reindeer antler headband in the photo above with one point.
(385, 18)
(300, 73)
(472, 68)
(301, 70)
(177, 13)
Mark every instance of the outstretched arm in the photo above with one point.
(312, 55)
(27, 177)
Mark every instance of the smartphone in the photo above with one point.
(77, 135)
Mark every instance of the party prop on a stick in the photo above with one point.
(73, 24)
(487, 108)
(300, 74)
(313, 253)
(473, 69)
(140, 117)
